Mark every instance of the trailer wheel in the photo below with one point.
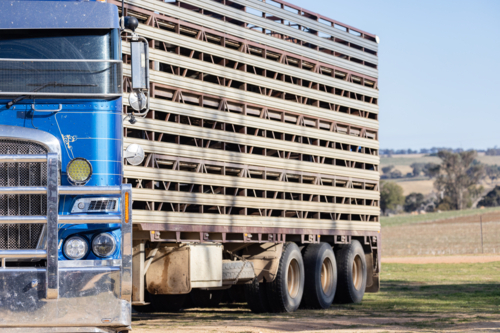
(256, 297)
(351, 268)
(206, 298)
(168, 303)
(320, 276)
(285, 292)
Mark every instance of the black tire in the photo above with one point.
(235, 294)
(168, 303)
(206, 298)
(256, 297)
(320, 276)
(351, 270)
(285, 292)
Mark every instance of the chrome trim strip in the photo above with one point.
(78, 190)
(58, 330)
(57, 94)
(22, 219)
(90, 263)
(126, 271)
(91, 218)
(23, 254)
(25, 158)
(23, 190)
(33, 135)
(52, 273)
(61, 60)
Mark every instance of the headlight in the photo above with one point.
(103, 245)
(75, 248)
(79, 171)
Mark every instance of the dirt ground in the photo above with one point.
(233, 320)
(310, 325)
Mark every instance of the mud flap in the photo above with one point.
(372, 277)
(169, 272)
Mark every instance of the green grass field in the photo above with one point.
(429, 217)
(461, 297)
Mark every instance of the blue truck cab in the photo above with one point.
(65, 215)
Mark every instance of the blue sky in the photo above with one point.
(439, 68)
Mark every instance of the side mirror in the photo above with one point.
(140, 73)
(140, 64)
(134, 154)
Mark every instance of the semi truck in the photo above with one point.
(189, 150)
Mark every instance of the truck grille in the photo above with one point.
(22, 236)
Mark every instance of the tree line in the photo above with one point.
(457, 181)
(434, 150)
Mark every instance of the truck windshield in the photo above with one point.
(59, 44)
(86, 63)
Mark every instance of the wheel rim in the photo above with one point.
(293, 278)
(327, 276)
(357, 272)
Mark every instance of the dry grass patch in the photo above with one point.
(462, 297)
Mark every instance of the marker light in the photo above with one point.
(103, 245)
(75, 248)
(79, 171)
(127, 216)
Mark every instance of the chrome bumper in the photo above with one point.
(65, 296)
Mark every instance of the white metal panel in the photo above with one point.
(280, 28)
(231, 29)
(250, 159)
(194, 198)
(249, 97)
(265, 124)
(199, 132)
(227, 53)
(205, 265)
(187, 177)
(222, 220)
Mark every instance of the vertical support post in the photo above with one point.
(52, 272)
(481, 223)
(138, 260)
(126, 271)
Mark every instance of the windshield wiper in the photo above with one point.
(52, 84)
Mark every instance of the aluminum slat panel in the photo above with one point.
(250, 159)
(176, 218)
(227, 53)
(296, 18)
(187, 177)
(231, 29)
(248, 140)
(237, 75)
(249, 202)
(281, 28)
(265, 124)
(249, 97)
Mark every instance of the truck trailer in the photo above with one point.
(261, 161)
(191, 149)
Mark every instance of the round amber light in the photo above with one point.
(79, 170)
